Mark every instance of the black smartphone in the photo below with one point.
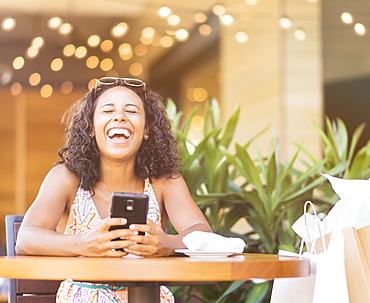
(132, 206)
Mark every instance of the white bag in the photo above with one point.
(327, 282)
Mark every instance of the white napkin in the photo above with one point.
(211, 242)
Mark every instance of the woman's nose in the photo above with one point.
(119, 118)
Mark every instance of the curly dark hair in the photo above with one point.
(158, 156)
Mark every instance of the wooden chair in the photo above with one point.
(26, 291)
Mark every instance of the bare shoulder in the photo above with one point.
(60, 180)
(166, 183)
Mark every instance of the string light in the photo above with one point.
(106, 46)
(92, 62)
(360, 29)
(135, 69)
(218, 10)
(173, 19)
(66, 87)
(251, 2)
(141, 50)
(146, 40)
(18, 62)
(346, 18)
(32, 52)
(300, 34)
(164, 11)
(93, 40)
(125, 51)
(38, 42)
(56, 64)
(46, 91)
(80, 52)
(34, 79)
(16, 89)
(241, 37)
(200, 17)
(182, 34)
(54, 23)
(227, 19)
(119, 30)
(106, 64)
(205, 29)
(65, 29)
(285, 22)
(148, 32)
(69, 50)
(8, 24)
(166, 41)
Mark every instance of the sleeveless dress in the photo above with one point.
(82, 217)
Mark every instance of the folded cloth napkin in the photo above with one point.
(211, 242)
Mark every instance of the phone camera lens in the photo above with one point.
(130, 204)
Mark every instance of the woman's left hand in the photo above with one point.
(153, 244)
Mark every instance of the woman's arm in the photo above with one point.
(38, 235)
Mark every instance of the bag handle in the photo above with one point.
(308, 223)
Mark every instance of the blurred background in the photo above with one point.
(286, 63)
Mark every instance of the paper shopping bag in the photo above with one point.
(294, 290)
(357, 261)
(331, 282)
(327, 282)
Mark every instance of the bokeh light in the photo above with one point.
(34, 79)
(46, 91)
(136, 69)
(16, 89)
(66, 87)
(18, 62)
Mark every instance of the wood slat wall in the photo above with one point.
(30, 136)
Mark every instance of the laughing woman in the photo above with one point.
(119, 139)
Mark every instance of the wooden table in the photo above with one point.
(143, 276)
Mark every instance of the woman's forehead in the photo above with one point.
(120, 94)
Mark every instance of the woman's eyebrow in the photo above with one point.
(107, 104)
(131, 104)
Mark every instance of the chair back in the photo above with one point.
(26, 291)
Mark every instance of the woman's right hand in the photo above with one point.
(97, 242)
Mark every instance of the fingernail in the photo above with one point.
(124, 221)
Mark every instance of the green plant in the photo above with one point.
(339, 150)
(266, 192)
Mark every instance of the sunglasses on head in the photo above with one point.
(127, 81)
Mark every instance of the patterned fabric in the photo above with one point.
(82, 217)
